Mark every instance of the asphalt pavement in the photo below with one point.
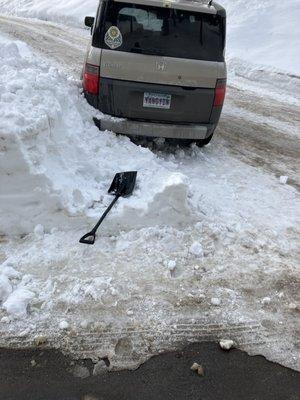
(41, 374)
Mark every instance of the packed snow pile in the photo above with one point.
(207, 257)
(260, 32)
(56, 166)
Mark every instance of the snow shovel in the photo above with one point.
(122, 186)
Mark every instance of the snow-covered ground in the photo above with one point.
(264, 32)
(71, 12)
(259, 32)
(206, 248)
(57, 168)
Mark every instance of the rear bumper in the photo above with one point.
(153, 129)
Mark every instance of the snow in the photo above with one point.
(84, 324)
(5, 287)
(58, 173)
(266, 301)
(69, 12)
(226, 344)
(283, 179)
(17, 302)
(205, 239)
(172, 265)
(39, 231)
(259, 32)
(196, 249)
(264, 32)
(63, 325)
(215, 301)
(185, 250)
(293, 306)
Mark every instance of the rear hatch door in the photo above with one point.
(159, 64)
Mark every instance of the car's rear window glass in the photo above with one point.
(165, 31)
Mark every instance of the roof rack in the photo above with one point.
(208, 2)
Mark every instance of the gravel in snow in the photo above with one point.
(225, 223)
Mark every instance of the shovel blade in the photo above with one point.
(123, 184)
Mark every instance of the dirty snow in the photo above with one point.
(226, 344)
(259, 32)
(56, 168)
(192, 255)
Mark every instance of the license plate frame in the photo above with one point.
(161, 101)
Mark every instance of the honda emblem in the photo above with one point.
(161, 65)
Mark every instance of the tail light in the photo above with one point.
(220, 91)
(91, 79)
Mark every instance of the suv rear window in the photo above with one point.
(164, 31)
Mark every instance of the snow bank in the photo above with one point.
(260, 32)
(56, 175)
(264, 81)
(229, 274)
(71, 12)
(264, 32)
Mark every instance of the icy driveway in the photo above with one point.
(219, 262)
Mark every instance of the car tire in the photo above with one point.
(204, 142)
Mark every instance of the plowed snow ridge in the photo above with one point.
(57, 165)
(209, 238)
(259, 32)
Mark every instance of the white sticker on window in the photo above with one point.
(113, 38)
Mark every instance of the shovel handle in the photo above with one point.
(89, 238)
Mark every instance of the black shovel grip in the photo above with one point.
(122, 185)
(89, 238)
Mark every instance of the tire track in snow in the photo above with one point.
(252, 140)
(260, 146)
(65, 45)
(256, 144)
(141, 344)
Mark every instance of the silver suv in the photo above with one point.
(157, 65)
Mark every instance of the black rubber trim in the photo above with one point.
(92, 99)
(220, 10)
(98, 32)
